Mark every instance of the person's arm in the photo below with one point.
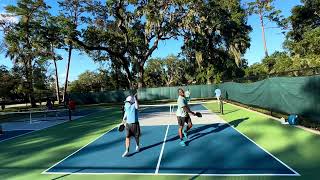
(124, 117)
(187, 109)
(136, 104)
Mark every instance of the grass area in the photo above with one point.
(27, 156)
(303, 121)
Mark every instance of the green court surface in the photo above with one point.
(26, 157)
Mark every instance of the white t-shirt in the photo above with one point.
(217, 92)
(181, 103)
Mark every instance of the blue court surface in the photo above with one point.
(212, 149)
(11, 134)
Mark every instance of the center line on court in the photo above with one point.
(160, 157)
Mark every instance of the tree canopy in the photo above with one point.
(124, 34)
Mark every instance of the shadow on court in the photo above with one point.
(194, 133)
(10, 134)
(228, 112)
(200, 132)
(236, 122)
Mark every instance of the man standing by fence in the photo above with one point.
(188, 95)
(218, 96)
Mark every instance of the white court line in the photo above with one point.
(22, 130)
(160, 157)
(167, 174)
(79, 149)
(31, 131)
(21, 135)
(296, 173)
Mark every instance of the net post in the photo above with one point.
(221, 106)
(30, 117)
(1, 130)
(69, 113)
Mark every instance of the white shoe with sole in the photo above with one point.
(125, 154)
(137, 148)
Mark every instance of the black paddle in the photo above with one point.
(121, 127)
(198, 114)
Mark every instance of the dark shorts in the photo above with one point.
(183, 120)
(132, 129)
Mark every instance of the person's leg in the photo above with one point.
(126, 152)
(137, 137)
(181, 125)
(180, 132)
(189, 122)
(189, 126)
(128, 134)
(127, 143)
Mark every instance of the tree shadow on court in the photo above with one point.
(196, 176)
(236, 122)
(228, 112)
(68, 174)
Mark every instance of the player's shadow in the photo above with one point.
(154, 145)
(205, 130)
(197, 132)
(202, 131)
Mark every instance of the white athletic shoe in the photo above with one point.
(137, 148)
(125, 154)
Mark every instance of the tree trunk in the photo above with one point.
(117, 72)
(141, 79)
(208, 76)
(30, 90)
(263, 35)
(67, 74)
(57, 81)
(129, 76)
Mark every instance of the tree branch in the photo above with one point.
(101, 48)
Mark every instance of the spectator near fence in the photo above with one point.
(3, 105)
(188, 95)
(49, 104)
(71, 107)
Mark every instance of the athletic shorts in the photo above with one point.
(133, 129)
(183, 120)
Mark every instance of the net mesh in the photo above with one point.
(34, 116)
(165, 114)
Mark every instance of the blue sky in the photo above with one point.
(255, 53)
